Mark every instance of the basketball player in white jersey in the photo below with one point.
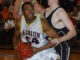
(30, 26)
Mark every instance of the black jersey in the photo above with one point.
(61, 32)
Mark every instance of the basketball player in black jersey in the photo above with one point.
(28, 13)
(58, 19)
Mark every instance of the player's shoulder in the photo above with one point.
(61, 12)
(60, 9)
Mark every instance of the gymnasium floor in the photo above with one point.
(11, 55)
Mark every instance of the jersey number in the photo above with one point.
(34, 40)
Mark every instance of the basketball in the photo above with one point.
(24, 50)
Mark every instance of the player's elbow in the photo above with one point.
(73, 33)
(14, 15)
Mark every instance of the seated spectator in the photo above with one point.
(10, 21)
(3, 26)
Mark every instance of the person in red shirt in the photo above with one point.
(5, 12)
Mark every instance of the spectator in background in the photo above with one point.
(11, 27)
(3, 26)
(5, 12)
(76, 14)
(72, 19)
(10, 21)
(78, 4)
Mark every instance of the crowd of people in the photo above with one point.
(7, 22)
(59, 25)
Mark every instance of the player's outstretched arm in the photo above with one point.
(16, 37)
(16, 9)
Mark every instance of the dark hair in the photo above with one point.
(26, 3)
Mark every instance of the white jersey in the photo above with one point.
(32, 33)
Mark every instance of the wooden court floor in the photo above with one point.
(11, 55)
(75, 56)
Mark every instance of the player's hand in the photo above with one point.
(38, 8)
(55, 41)
(35, 50)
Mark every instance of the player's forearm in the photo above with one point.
(15, 13)
(53, 34)
(42, 11)
(16, 9)
(68, 36)
(48, 45)
(16, 40)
